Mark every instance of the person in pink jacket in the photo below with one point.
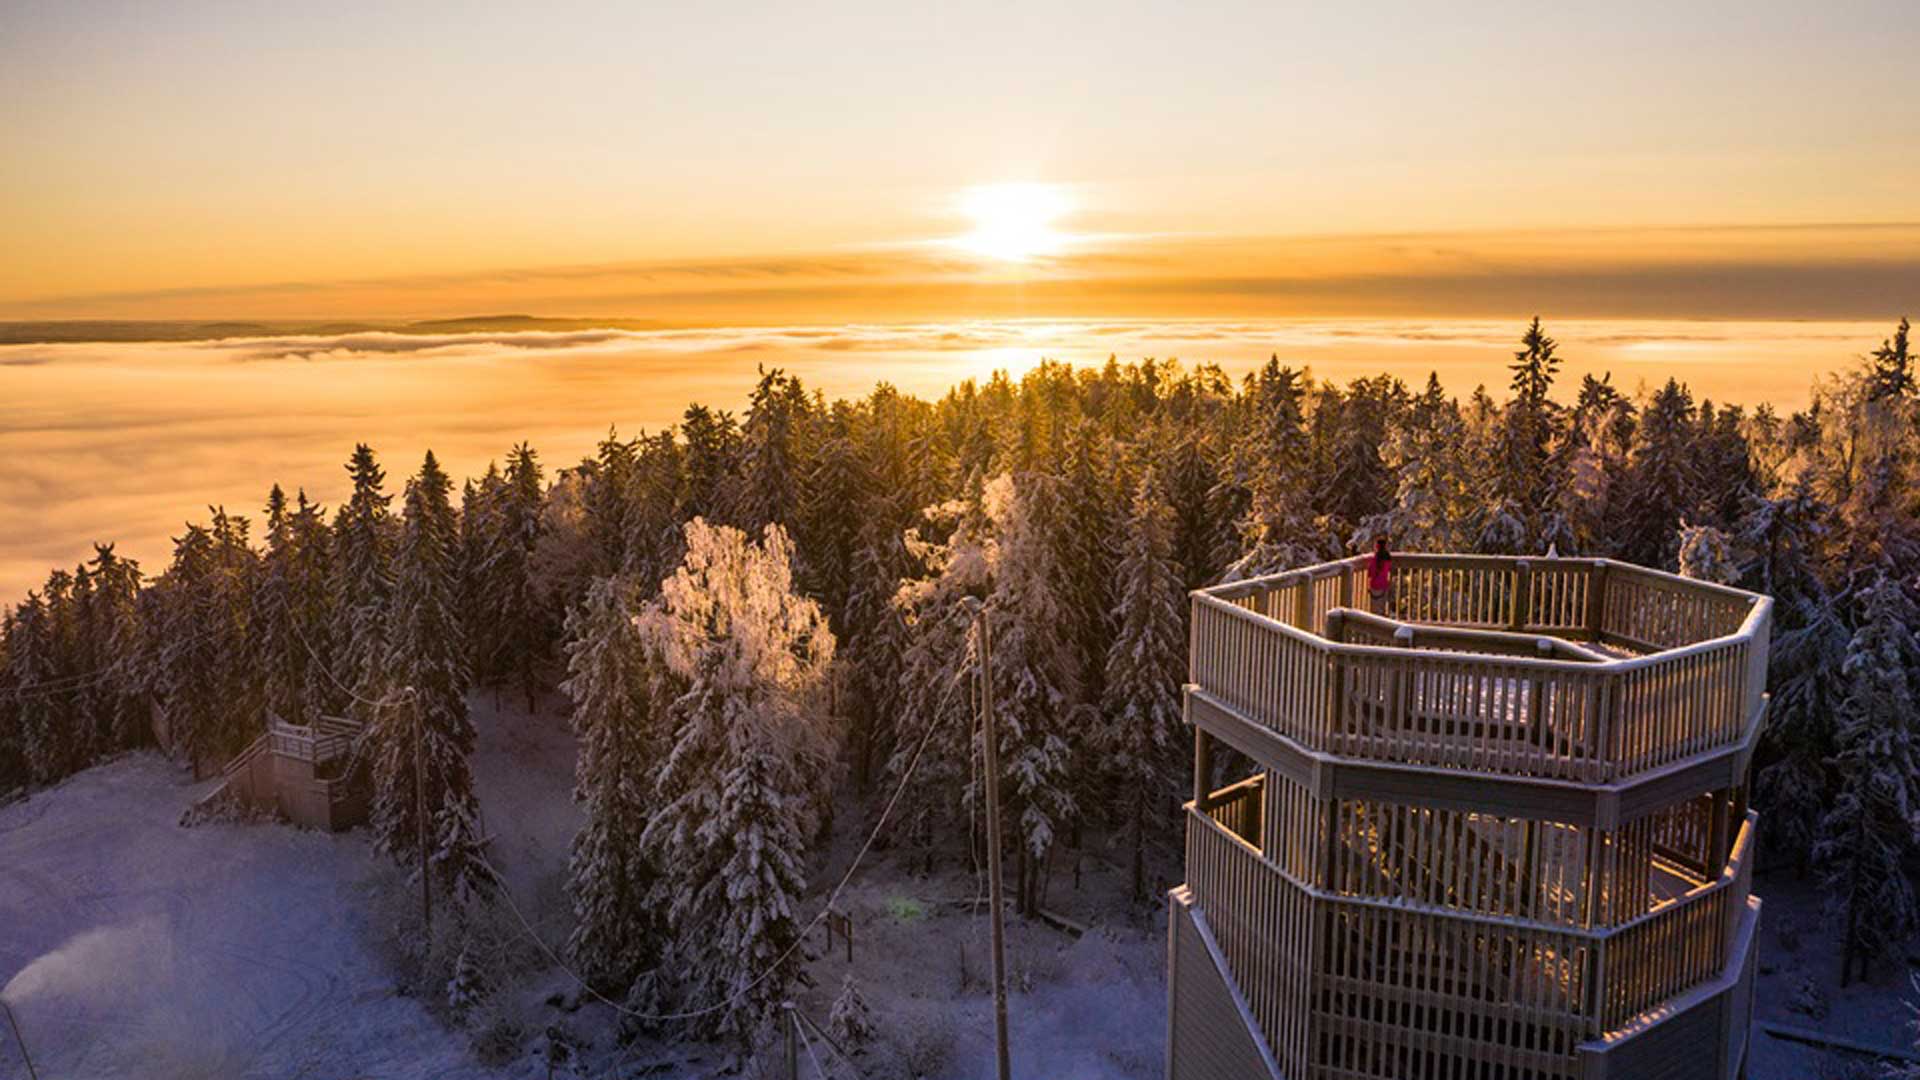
(1379, 576)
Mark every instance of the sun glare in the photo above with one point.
(1014, 222)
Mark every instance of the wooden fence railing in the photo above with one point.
(1265, 648)
(1551, 985)
(1674, 947)
(324, 742)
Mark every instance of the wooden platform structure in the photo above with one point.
(305, 774)
(1500, 833)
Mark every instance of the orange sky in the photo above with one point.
(740, 163)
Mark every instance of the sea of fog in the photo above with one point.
(126, 441)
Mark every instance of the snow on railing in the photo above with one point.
(1272, 649)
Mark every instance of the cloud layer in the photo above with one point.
(126, 441)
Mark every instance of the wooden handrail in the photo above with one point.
(1594, 718)
(1637, 964)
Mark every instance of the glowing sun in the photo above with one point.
(1014, 222)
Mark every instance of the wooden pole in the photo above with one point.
(19, 1040)
(793, 1040)
(420, 816)
(997, 904)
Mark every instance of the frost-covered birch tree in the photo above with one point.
(749, 760)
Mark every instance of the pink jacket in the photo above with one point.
(1379, 573)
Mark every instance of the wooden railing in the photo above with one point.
(1676, 946)
(1557, 983)
(1260, 919)
(327, 741)
(1265, 648)
(1238, 808)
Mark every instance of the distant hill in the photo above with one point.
(82, 330)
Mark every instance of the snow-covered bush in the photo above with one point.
(851, 1021)
(468, 987)
(1707, 555)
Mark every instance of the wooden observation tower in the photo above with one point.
(1500, 833)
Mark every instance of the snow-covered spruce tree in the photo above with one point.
(1528, 425)
(616, 934)
(653, 532)
(1089, 515)
(426, 723)
(873, 648)
(363, 539)
(242, 684)
(273, 639)
(34, 709)
(183, 648)
(1190, 475)
(1145, 666)
(608, 503)
(766, 488)
(310, 613)
(202, 668)
(1792, 785)
(479, 507)
(123, 719)
(1659, 485)
(1276, 531)
(1434, 498)
(13, 767)
(741, 790)
(513, 602)
(1593, 459)
(1035, 684)
(1356, 485)
(567, 557)
(1890, 368)
(710, 454)
(1867, 839)
(69, 602)
(937, 666)
(827, 524)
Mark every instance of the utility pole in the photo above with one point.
(420, 814)
(19, 1040)
(990, 736)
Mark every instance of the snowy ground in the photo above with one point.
(134, 948)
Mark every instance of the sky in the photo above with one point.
(751, 164)
(1726, 193)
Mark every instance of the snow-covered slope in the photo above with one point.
(131, 947)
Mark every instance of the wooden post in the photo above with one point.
(1522, 583)
(1717, 834)
(792, 1027)
(1202, 768)
(1596, 599)
(19, 1040)
(998, 913)
(420, 818)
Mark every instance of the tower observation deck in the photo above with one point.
(1497, 833)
